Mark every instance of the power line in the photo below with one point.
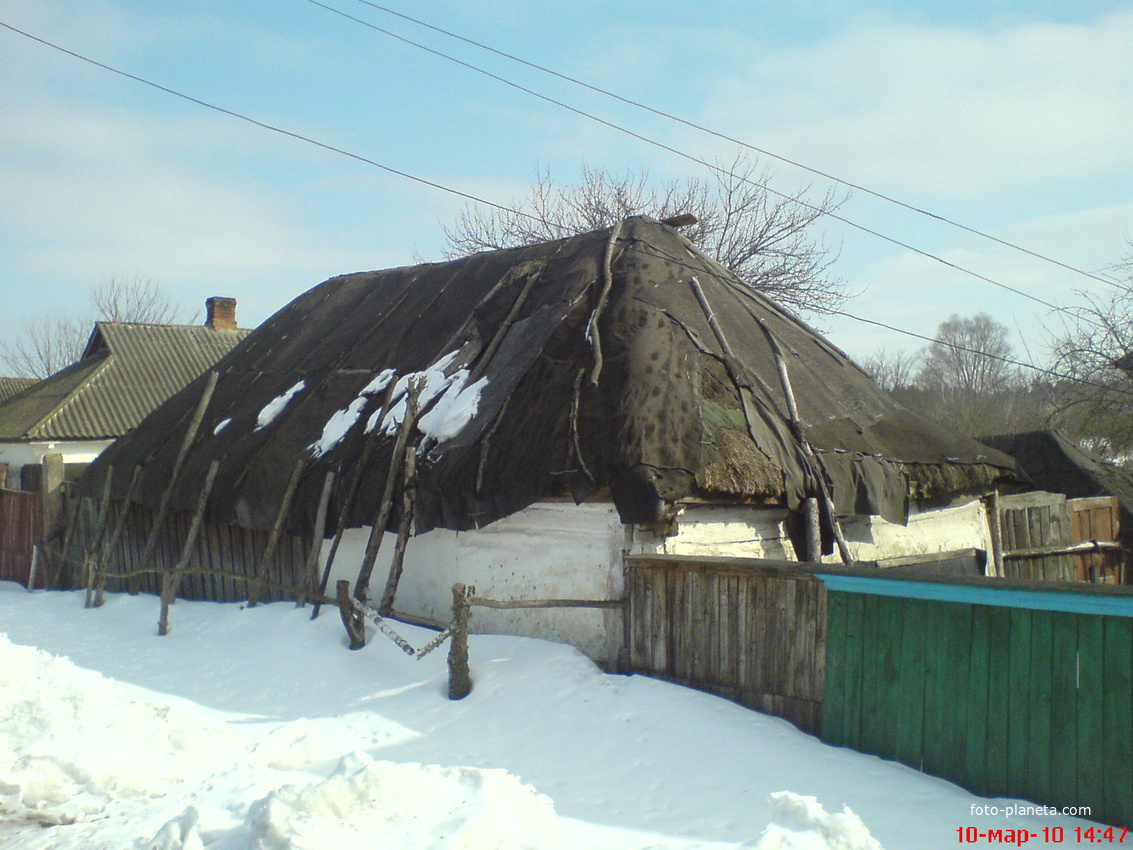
(1006, 360)
(273, 128)
(443, 188)
(719, 170)
(857, 187)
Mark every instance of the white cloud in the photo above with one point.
(943, 112)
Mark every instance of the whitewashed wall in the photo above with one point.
(549, 550)
(937, 530)
(18, 455)
(562, 550)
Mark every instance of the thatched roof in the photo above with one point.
(654, 381)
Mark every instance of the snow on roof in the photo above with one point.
(275, 407)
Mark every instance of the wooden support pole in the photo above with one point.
(34, 567)
(311, 571)
(405, 526)
(255, 588)
(355, 626)
(111, 542)
(459, 677)
(89, 559)
(352, 491)
(186, 444)
(171, 579)
(804, 444)
(397, 457)
(813, 530)
(995, 521)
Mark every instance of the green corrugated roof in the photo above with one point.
(127, 371)
(11, 386)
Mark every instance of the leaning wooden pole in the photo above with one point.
(112, 542)
(804, 443)
(186, 444)
(311, 569)
(90, 559)
(256, 587)
(352, 491)
(171, 580)
(377, 530)
(405, 526)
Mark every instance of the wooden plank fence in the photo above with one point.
(1013, 693)
(21, 527)
(1042, 530)
(1006, 687)
(753, 634)
(221, 554)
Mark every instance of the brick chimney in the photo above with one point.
(220, 313)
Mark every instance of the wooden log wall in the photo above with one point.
(1007, 702)
(227, 548)
(755, 635)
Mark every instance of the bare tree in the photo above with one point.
(50, 344)
(766, 239)
(892, 370)
(1096, 404)
(967, 380)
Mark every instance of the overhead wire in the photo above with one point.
(465, 195)
(264, 125)
(683, 154)
(857, 187)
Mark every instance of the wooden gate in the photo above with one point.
(755, 634)
(21, 527)
(1048, 537)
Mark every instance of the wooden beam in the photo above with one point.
(311, 570)
(171, 580)
(276, 529)
(186, 444)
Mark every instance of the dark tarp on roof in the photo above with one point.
(1058, 465)
(671, 413)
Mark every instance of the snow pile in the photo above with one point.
(801, 823)
(341, 421)
(454, 409)
(455, 405)
(365, 803)
(281, 739)
(456, 402)
(71, 739)
(275, 407)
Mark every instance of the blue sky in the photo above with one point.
(1017, 120)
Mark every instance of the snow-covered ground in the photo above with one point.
(256, 729)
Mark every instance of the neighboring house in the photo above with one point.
(613, 392)
(126, 370)
(11, 386)
(1057, 465)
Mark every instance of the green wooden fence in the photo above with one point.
(1007, 693)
